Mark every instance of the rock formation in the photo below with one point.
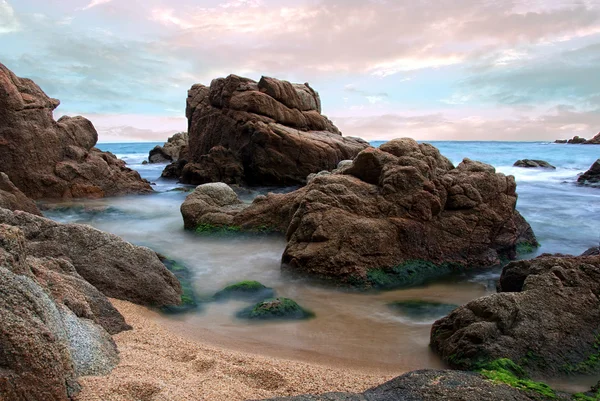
(581, 141)
(115, 267)
(54, 325)
(429, 385)
(55, 159)
(530, 163)
(545, 317)
(174, 149)
(397, 215)
(13, 199)
(594, 141)
(241, 131)
(592, 176)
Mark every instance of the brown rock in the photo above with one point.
(530, 163)
(594, 141)
(115, 267)
(265, 133)
(55, 159)
(13, 199)
(545, 317)
(393, 206)
(174, 149)
(592, 176)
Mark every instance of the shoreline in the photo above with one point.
(157, 364)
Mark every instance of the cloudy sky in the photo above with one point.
(433, 70)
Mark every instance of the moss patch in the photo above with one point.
(506, 371)
(526, 247)
(246, 290)
(419, 309)
(276, 309)
(590, 365)
(189, 298)
(206, 229)
(409, 273)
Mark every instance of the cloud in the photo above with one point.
(8, 20)
(95, 3)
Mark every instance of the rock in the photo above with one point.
(55, 159)
(594, 251)
(560, 141)
(419, 309)
(174, 170)
(245, 290)
(398, 216)
(592, 176)
(174, 149)
(115, 267)
(594, 141)
(13, 199)
(55, 325)
(544, 317)
(430, 385)
(212, 204)
(533, 164)
(266, 133)
(577, 140)
(276, 309)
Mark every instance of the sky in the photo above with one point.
(433, 70)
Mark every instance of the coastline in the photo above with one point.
(157, 364)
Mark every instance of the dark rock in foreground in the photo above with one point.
(115, 267)
(545, 317)
(55, 159)
(173, 150)
(533, 164)
(260, 133)
(12, 198)
(592, 176)
(430, 385)
(395, 216)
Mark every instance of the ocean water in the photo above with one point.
(351, 329)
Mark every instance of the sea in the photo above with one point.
(350, 328)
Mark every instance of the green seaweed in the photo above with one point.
(205, 228)
(276, 309)
(526, 247)
(189, 298)
(505, 371)
(590, 365)
(409, 273)
(416, 308)
(248, 290)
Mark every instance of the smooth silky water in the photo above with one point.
(351, 329)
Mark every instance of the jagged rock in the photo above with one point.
(174, 149)
(593, 251)
(429, 385)
(266, 133)
(13, 199)
(594, 141)
(592, 176)
(54, 325)
(401, 213)
(545, 317)
(55, 159)
(115, 267)
(529, 163)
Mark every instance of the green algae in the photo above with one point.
(276, 309)
(189, 298)
(246, 290)
(505, 371)
(590, 365)
(416, 308)
(409, 273)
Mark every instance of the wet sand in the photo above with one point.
(158, 365)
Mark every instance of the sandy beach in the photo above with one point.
(157, 364)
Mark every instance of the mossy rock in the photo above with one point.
(276, 309)
(211, 229)
(189, 298)
(245, 290)
(407, 274)
(526, 247)
(419, 309)
(505, 371)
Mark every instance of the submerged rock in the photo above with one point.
(530, 163)
(269, 132)
(189, 298)
(55, 159)
(545, 316)
(174, 149)
(431, 385)
(13, 199)
(245, 290)
(276, 309)
(115, 267)
(592, 176)
(419, 309)
(397, 216)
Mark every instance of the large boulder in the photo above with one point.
(45, 158)
(592, 176)
(530, 163)
(54, 326)
(13, 199)
(545, 317)
(430, 385)
(269, 132)
(396, 216)
(174, 149)
(115, 267)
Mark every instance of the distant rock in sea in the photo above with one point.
(592, 176)
(55, 159)
(581, 141)
(171, 151)
(530, 163)
(269, 132)
(394, 216)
